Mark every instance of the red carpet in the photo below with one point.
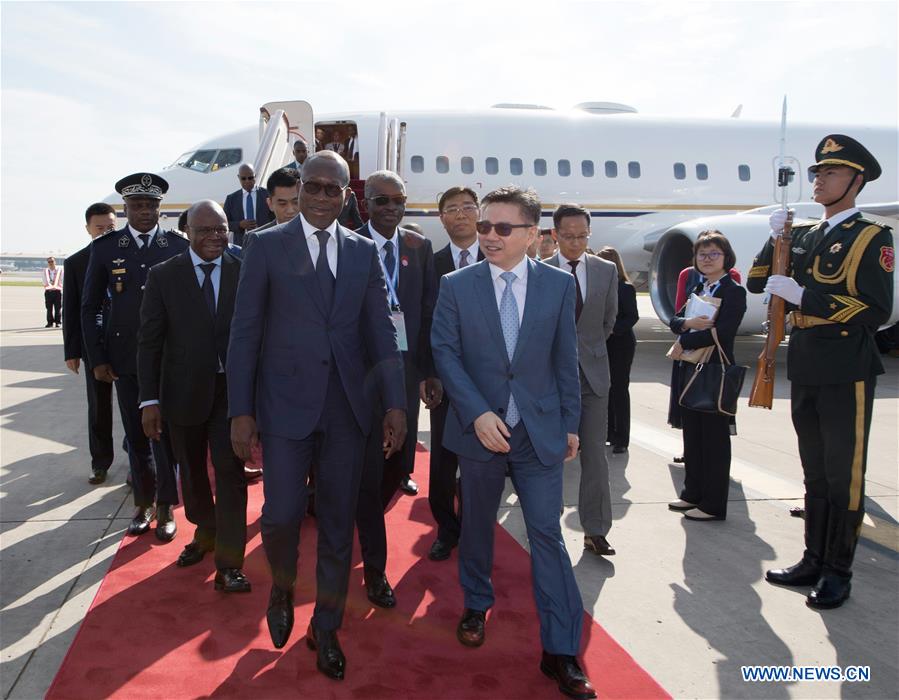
(158, 631)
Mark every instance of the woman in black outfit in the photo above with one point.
(621, 346)
(706, 435)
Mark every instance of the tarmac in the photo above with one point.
(686, 599)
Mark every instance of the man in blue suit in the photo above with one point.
(310, 338)
(505, 345)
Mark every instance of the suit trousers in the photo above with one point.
(336, 445)
(152, 465)
(222, 523)
(833, 422)
(53, 302)
(539, 488)
(594, 502)
(706, 460)
(442, 480)
(621, 349)
(99, 420)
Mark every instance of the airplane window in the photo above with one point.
(491, 165)
(539, 166)
(680, 171)
(515, 166)
(811, 176)
(587, 168)
(227, 157)
(199, 161)
(702, 171)
(633, 169)
(442, 165)
(418, 164)
(743, 172)
(467, 165)
(611, 168)
(564, 168)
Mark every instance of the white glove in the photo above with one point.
(786, 288)
(776, 221)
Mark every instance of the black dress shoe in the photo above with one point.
(98, 476)
(192, 553)
(797, 512)
(251, 473)
(231, 581)
(598, 545)
(678, 460)
(49, 325)
(379, 591)
(440, 550)
(329, 658)
(140, 523)
(409, 486)
(279, 616)
(619, 449)
(565, 671)
(166, 528)
(801, 574)
(831, 591)
(471, 628)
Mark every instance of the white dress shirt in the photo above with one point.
(580, 271)
(312, 242)
(519, 286)
(379, 242)
(134, 232)
(456, 252)
(838, 219)
(216, 275)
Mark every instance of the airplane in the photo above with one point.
(651, 183)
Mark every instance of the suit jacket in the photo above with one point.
(118, 268)
(234, 211)
(417, 294)
(472, 362)
(283, 340)
(75, 269)
(180, 343)
(727, 321)
(443, 261)
(597, 319)
(628, 314)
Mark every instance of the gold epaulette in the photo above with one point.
(849, 268)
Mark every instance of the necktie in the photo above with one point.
(251, 214)
(579, 302)
(463, 259)
(389, 259)
(323, 269)
(208, 290)
(508, 318)
(144, 240)
(818, 236)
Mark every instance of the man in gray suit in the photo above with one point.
(595, 311)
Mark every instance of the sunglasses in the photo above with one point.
(502, 228)
(316, 187)
(248, 177)
(382, 200)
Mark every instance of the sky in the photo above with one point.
(90, 92)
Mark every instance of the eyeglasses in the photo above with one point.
(709, 256)
(203, 231)
(502, 228)
(464, 209)
(382, 199)
(248, 177)
(313, 188)
(574, 239)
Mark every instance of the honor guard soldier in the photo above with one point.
(841, 290)
(118, 267)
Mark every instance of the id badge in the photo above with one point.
(399, 322)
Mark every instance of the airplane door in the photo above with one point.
(794, 189)
(280, 124)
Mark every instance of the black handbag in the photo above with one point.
(713, 387)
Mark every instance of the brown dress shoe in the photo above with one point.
(471, 628)
(565, 671)
(598, 545)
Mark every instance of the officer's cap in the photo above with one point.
(837, 149)
(142, 185)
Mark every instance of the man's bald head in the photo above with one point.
(329, 165)
(207, 229)
(247, 176)
(204, 206)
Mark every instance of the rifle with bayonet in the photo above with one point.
(762, 393)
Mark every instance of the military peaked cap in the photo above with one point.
(837, 149)
(142, 185)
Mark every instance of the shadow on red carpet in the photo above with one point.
(156, 630)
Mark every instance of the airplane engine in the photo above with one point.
(747, 233)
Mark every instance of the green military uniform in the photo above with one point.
(846, 270)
